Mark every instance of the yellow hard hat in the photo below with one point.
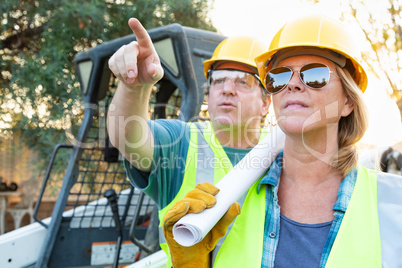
(316, 31)
(240, 49)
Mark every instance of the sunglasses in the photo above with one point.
(313, 75)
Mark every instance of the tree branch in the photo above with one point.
(378, 59)
(21, 39)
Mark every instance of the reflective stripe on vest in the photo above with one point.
(371, 230)
(389, 191)
(193, 175)
(206, 162)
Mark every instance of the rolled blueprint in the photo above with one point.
(192, 228)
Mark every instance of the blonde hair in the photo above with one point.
(352, 127)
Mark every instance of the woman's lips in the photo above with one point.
(295, 105)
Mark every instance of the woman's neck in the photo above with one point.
(308, 185)
(310, 158)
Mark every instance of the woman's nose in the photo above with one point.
(295, 83)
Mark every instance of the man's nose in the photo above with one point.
(229, 86)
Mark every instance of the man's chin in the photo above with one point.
(226, 122)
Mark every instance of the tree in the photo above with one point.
(39, 39)
(381, 23)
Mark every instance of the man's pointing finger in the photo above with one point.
(140, 32)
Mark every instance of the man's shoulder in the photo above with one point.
(200, 125)
(170, 125)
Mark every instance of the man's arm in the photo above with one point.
(138, 68)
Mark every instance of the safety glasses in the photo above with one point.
(241, 80)
(314, 75)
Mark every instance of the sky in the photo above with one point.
(262, 19)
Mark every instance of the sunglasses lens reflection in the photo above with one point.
(315, 75)
(277, 79)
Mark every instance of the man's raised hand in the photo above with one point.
(137, 64)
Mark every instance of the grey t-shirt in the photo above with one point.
(300, 245)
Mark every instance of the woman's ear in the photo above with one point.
(348, 107)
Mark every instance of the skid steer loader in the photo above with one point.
(99, 219)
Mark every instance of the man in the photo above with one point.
(167, 158)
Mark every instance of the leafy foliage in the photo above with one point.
(382, 26)
(381, 23)
(39, 39)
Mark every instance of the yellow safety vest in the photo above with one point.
(203, 143)
(370, 234)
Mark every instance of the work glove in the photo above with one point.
(195, 201)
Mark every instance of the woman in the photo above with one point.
(321, 209)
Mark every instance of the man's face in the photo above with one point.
(235, 99)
